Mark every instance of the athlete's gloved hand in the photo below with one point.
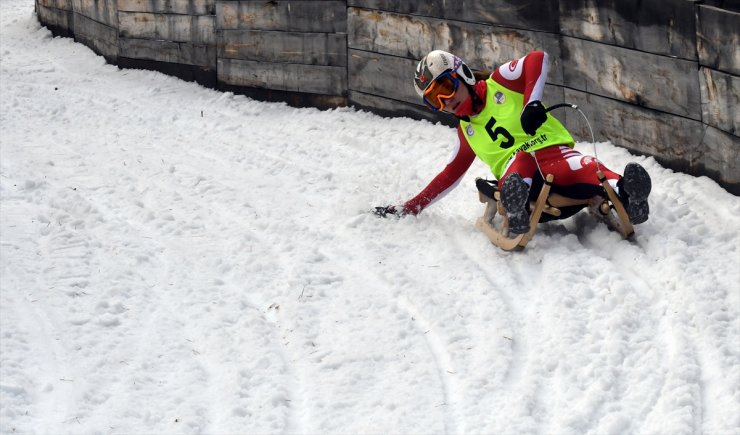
(533, 116)
(387, 210)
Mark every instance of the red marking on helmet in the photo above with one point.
(512, 65)
(422, 78)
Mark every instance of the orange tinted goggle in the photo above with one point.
(443, 88)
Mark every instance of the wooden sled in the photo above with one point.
(550, 204)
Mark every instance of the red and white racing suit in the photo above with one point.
(569, 166)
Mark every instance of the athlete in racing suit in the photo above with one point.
(504, 123)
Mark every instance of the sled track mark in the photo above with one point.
(47, 381)
(445, 369)
(515, 308)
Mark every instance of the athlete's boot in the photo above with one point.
(514, 198)
(634, 188)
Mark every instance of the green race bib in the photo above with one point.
(496, 134)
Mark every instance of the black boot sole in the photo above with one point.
(637, 185)
(514, 197)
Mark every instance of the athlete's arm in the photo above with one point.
(526, 75)
(461, 159)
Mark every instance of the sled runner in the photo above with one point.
(548, 206)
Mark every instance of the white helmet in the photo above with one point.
(435, 64)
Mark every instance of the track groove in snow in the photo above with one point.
(446, 371)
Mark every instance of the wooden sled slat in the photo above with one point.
(625, 229)
(497, 236)
(550, 204)
(539, 206)
(557, 200)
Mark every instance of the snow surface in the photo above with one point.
(179, 260)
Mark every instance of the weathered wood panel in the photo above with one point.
(197, 29)
(720, 160)
(662, 27)
(539, 15)
(291, 16)
(284, 47)
(60, 20)
(185, 7)
(658, 82)
(168, 51)
(57, 4)
(720, 96)
(718, 39)
(673, 140)
(481, 46)
(316, 79)
(101, 38)
(102, 11)
(382, 75)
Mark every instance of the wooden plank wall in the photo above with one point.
(388, 37)
(174, 32)
(296, 46)
(176, 37)
(650, 80)
(660, 78)
(96, 25)
(57, 15)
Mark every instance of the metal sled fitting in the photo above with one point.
(549, 204)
